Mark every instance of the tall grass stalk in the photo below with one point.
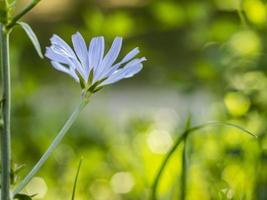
(6, 106)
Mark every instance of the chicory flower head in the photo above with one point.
(90, 66)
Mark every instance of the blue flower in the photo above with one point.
(90, 66)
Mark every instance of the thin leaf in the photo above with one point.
(214, 123)
(24, 196)
(76, 180)
(26, 27)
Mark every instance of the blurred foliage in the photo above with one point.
(192, 46)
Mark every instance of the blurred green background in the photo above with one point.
(206, 58)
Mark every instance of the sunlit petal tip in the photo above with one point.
(77, 36)
(143, 59)
(118, 40)
(135, 51)
(77, 33)
(54, 38)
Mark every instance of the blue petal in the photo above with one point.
(64, 69)
(81, 50)
(112, 69)
(61, 47)
(122, 73)
(130, 55)
(72, 62)
(128, 71)
(96, 52)
(109, 59)
(55, 57)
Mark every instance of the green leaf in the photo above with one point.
(3, 11)
(24, 196)
(76, 179)
(26, 27)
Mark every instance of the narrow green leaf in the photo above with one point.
(76, 180)
(26, 27)
(24, 196)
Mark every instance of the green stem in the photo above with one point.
(184, 162)
(184, 172)
(6, 103)
(17, 17)
(52, 146)
(178, 142)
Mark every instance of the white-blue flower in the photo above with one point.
(90, 66)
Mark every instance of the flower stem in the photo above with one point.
(6, 103)
(17, 17)
(52, 146)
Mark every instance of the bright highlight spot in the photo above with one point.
(236, 103)
(245, 43)
(122, 182)
(255, 11)
(37, 186)
(170, 14)
(159, 141)
(100, 190)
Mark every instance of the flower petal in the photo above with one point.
(81, 50)
(61, 47)
(55, 57)
(109, 59)
(128, 71)
(130, 55)
(64, 69)
(73, 63)
(112, 69)
(96, 52)
(122, 73)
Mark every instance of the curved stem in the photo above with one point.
(17, 17)
(6, 105)
(184, 172)
(178, 142)
(52, 146)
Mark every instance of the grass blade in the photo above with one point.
(76, 180)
